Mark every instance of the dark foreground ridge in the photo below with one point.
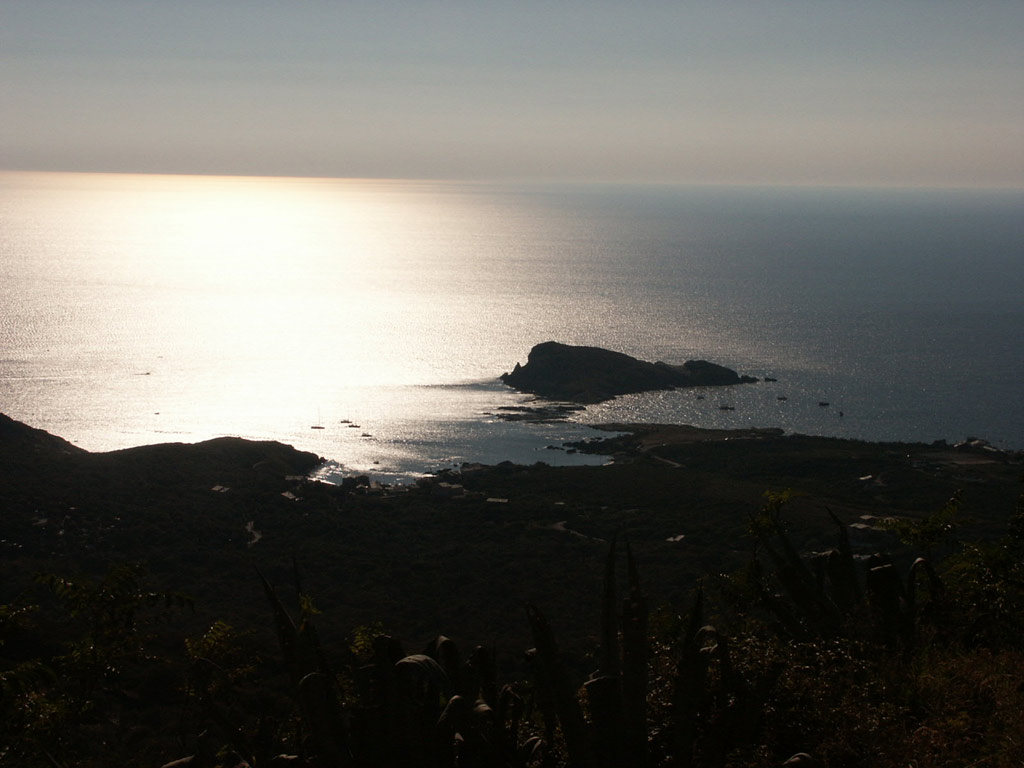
(210, 600)
(592, 374)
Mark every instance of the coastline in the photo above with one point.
(462, 552)
(684, 497)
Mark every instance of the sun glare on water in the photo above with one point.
(137, 309)
(286, 273)
(245, 301)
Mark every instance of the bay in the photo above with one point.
(138, 309)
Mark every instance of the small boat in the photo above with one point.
(782, 397)
(317, 426)
(823, 403)
(726, 408)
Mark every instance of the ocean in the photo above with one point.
(137, 309)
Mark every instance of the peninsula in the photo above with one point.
(592, 374)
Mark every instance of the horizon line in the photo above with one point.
(534, 180)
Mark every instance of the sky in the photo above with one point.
(873, 92)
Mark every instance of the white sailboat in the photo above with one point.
(319, 422)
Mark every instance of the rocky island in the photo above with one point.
(592, 374)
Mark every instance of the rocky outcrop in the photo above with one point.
(592, 375)
(115, 476)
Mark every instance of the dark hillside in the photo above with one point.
(462, 555)
(21, 444)
(99, 659)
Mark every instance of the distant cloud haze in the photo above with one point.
(908, 93)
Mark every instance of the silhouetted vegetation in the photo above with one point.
(771, 628)
(848, 660)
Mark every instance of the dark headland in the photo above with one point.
(461, 553)
(393, 553)
(591, 374)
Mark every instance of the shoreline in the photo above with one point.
(190, 512)
(626, 441)
(639, 439)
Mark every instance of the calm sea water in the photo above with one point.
(138, 309)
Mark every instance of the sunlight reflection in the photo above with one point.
(255, 234)
(184, 307)
(355, 282)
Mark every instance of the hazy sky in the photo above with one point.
(854, 92)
